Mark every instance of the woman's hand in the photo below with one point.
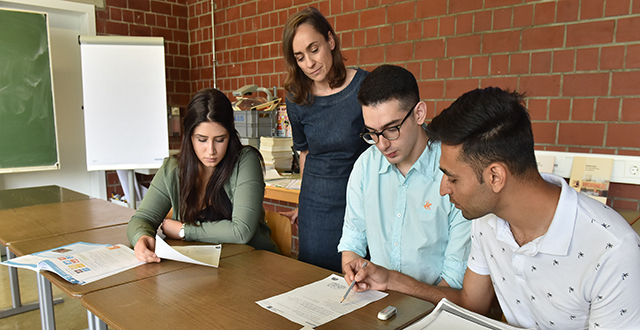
(171, 228)
(144, 249)
(292, 215)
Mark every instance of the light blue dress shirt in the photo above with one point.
(404, 221)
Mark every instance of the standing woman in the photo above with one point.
(215, 186)
(326, 119)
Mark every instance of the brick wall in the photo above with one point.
(577, 60)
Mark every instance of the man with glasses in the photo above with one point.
(393, 203)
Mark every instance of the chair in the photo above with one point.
(280, 231)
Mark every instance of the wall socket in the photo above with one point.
(632, 169)
(626, 169)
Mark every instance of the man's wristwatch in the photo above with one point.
(181, 232)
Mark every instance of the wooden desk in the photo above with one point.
(46, 220)
(111, 235)
(201, 297)
(15, 198)
(281, 194)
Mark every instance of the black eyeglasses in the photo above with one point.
(390, 133)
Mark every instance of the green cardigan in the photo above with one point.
(245, 189)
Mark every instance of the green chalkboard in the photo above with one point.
(27, 117)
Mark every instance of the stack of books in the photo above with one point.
(277, 152)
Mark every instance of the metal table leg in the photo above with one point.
(47, 316)
(95, 323)
(17, 306)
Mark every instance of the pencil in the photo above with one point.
(352, 284)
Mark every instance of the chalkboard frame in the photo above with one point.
(30, 138)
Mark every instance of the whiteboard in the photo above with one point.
(125, 102)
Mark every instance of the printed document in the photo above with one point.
(206, 255)
(319, 302)
(80, 263)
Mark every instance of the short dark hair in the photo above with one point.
(389, 82)
(492, 125)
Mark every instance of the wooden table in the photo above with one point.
(202, 297)
(281, 194)
(15, 198)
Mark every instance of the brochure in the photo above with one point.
(591, 176)
(206, 255)
(448, 315)
(80, 263)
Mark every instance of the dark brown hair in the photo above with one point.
(207, 105)
(297, 84)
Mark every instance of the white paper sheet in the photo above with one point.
(317, 303)
(206, 255)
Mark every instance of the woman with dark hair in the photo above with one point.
(214, 185)
(326, 120)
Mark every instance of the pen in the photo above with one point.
(352, 284)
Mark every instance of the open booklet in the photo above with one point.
(80, 263)
(206, 255)
(448, 315)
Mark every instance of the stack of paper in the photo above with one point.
(277, 152)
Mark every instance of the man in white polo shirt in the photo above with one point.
(555, 258)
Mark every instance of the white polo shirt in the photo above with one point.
(583, 273)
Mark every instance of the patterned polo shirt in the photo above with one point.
(583, 273)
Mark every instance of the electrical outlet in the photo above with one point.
(632, 169)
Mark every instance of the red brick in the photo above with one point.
(538, 108)
(607, 109)
(139, 31)
(559, 109)
(633, 56)
(466, 45)
(541, 62)
(567, 11)
(371, 36)
(358, 38)
(464, 24)
(432, 89)
(543, 37)
(582, 109)
(500, 42)
(142, 5)
(635, 7)
(401, 12)
(482, 21)
(628, 29)
(458, 6)
(592, 33)
(509, 82)
(500, 3)
(563, 60)
(616, 8)
(586, 84)
(502, 18)
(430, 49)
(160, 7)
(414, 30)
(385, 36)
(428, 70)
(346, 22)
(499, 64)
(461, 67)
(372, 17)
(444, 68)
(414, 68)
(447, 26)
(620, 204)
(544, 132)
(587, 59)
(232, 14)
(630, 110)
(430, 28)
(117, 28)
(523, 16)
(430, 8)
(372, 55)
(479, 66)
(519, 63)
(544, 13)
(625, 83)
(400, 32)
(400, 52)
(591, 9)
(456, 87)
(581, 134)
(622, 190)
(540, 85)
(618, 135)
(612, 58)
(249, 39)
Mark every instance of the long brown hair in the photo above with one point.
(207, 105)
(297, 84)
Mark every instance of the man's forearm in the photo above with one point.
(405, 284)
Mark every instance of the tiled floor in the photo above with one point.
(69, 315)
